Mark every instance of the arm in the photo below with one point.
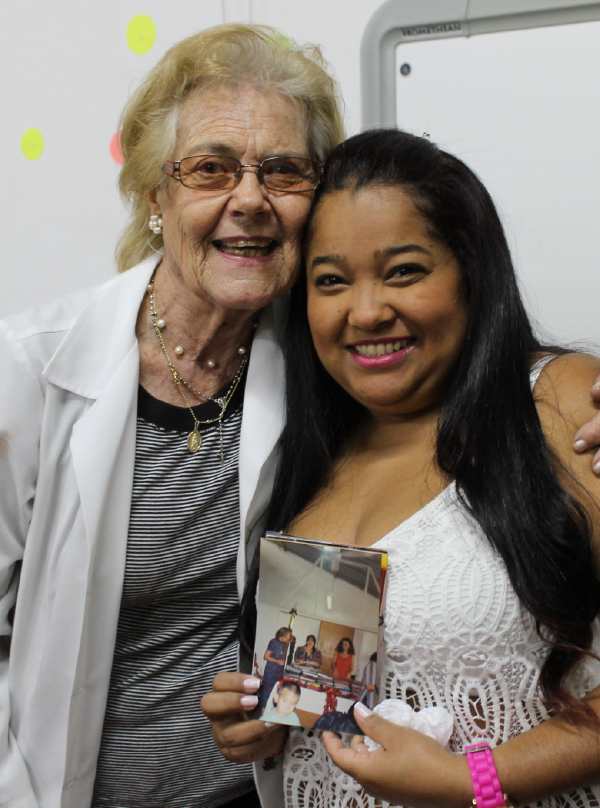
(270, 658)
(334, 666)
(555, 756)
(352, 667)
(21, 407)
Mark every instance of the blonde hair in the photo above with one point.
(233, 55)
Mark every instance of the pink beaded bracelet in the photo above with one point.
(486, 785)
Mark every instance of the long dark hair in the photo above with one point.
(340, 646)
(489, 435)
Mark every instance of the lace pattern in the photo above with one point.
(456, 636)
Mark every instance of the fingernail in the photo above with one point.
(362, 710)
(269, 724)
(579, 445)
(249, 701)
(596, 388)
(251, 684)
(596, 467)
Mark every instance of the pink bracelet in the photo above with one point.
(486, 785)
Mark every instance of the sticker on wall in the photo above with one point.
(115, 148)
(141, 33)
(284, 40)
(32, 144)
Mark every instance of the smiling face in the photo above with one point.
(286, 701)
(237, 248)
(385, 301)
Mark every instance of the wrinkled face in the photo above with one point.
(286, 637)
(237, 248)
(286, 701)
(385, 301)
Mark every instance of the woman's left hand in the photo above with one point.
(409, 768)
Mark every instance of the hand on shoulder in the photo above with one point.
(564, 404)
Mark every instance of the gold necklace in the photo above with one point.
(194, 441)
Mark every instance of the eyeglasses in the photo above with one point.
(212, 172)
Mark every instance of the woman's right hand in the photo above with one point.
(239, 738)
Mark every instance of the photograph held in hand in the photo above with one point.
(319, 628)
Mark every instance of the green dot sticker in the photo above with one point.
(141, 33)
(283, 40)
(32, 144)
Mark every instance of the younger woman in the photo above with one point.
(344, 660)
(425, 418)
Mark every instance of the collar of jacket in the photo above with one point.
(102, 335)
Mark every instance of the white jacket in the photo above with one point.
(68, 400)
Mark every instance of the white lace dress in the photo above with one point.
(456, 636)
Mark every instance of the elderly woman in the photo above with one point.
(123, 440)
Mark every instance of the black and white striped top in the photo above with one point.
(178, 619)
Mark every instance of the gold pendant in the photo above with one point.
(194, 441)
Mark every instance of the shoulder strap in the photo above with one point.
(537, 368)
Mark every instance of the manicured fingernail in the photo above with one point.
(269, 724)
(596, 388)
(579, 445)
(596, 467)
(251, 684)
(362, 710)
(249, 701)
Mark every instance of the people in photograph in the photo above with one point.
(427, 419)
(344, 660)
(369, 679)
(275, 657)
(286, 701)
(134, 419)
(308, 655)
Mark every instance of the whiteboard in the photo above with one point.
(520, 108)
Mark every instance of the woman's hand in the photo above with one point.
(588, 437)
(239, 738)
(408, 769)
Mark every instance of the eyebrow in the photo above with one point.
(406, 248)
(211, 148)
(223, 149)
(389, 252)
(336, 260)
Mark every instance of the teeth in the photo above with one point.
(247, 247)
(246, 242)
(382, 348)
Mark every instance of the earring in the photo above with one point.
(156, 224)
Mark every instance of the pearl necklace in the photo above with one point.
(194, 441)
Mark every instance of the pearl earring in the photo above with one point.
(156, 224)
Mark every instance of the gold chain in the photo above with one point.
(194, 441)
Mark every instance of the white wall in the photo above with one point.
(518, 107)
(67, 70)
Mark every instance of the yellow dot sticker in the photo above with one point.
(284, 40)
(32, 144)
(141, 33)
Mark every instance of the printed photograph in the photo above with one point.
(319, 627)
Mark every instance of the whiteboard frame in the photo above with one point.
(399, 21)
